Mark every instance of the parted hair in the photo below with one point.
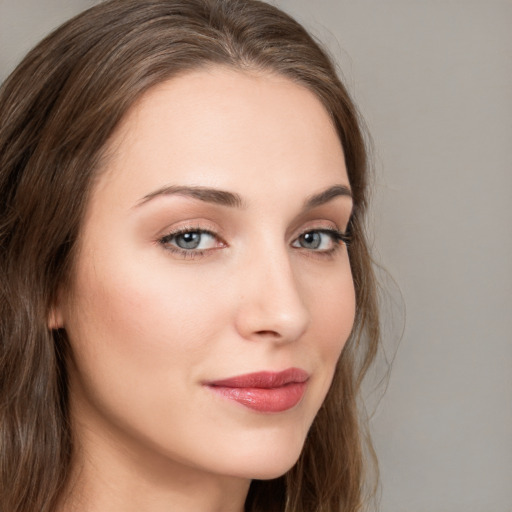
(57, 111)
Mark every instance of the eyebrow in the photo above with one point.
(233, 200)
(206, 194)
(326, 196)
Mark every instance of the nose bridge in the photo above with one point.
(272, 302)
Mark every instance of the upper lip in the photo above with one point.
(264, 380)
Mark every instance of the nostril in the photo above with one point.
(268, 334)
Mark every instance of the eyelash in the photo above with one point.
(338, 238)
(184, 253)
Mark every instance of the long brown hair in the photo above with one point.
(58, 109)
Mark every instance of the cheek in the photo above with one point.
(134, 330)
(141, 312)
(333, 313)
(141, 339)
(339, 307)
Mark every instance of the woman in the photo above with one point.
(188, 302)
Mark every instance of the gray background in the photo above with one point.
(434, 80)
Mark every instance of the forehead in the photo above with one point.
(212, 126)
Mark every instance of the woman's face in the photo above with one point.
(212, 249)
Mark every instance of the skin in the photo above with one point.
(149, 325)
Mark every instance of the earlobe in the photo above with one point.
(55, 318)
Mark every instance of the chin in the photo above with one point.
(273, 470)
(267, 461)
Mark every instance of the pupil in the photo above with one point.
(311, 240)
(189, 240)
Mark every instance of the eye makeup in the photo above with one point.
(197, 242)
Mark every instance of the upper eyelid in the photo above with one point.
(165, 242)
(317, 225)
(320, 225)
(190, 226)
(179, 231)
(330, 231)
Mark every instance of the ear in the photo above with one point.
(55, 316)
(55, 319)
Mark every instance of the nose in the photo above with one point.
(272, 305)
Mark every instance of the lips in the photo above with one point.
(264, 391)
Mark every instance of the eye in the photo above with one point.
(190, 240)
(320, 240)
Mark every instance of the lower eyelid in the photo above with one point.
(169, 245)
(336, 237)
(334, 243)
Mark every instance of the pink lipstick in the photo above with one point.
(264, 391)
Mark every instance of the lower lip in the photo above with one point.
(265, 399)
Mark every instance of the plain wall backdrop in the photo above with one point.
(433, 79)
